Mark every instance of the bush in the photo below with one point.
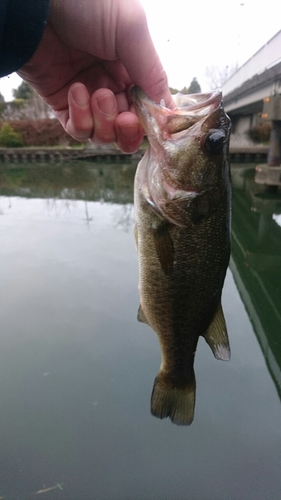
(9, 138)
(46, 132)
(261, 133)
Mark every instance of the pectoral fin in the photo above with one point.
(164, 247)
(216, 336)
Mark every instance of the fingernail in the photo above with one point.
(80, 96)
(106, 105)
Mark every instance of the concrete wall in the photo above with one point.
(240, 130)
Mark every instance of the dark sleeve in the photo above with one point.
(22, 23)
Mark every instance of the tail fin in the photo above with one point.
(168, 400)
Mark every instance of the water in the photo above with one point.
(77, 369)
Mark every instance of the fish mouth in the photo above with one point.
(189, 110)
(192, 109)
(185, 146)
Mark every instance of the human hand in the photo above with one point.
(91, 54)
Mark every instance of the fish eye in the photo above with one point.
(214, 142)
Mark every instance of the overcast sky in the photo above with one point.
(192, 35)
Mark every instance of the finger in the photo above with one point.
(134, 43)
(104, 111)
(129, 133)
(80, 123)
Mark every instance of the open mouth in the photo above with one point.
(191, 110)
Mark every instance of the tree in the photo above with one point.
(1, 98)
(27, 105)
(173, 91)
(194, 87)
(217, 76)
(24, 91)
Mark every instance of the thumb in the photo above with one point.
(135, 48)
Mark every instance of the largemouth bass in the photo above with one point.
(182, 200)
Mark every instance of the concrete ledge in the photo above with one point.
(268, 175)
(63, 154)
(247, 154)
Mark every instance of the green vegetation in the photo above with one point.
(194, 88)
(28, 121)
(13, 178)
(9, 138)
(261, 133)
(173, 91)
(24, 91)
(46, 133)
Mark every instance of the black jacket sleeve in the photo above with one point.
(22, 23)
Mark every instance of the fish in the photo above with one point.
(182, 197)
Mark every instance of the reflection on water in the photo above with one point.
(61, 187)
(98, 182)
(256, 262)
(76, 368)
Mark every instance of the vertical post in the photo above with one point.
(274, 152)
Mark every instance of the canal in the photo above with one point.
(77, 369)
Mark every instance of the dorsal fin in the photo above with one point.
(216, 336)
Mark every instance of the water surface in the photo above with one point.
(77, 369)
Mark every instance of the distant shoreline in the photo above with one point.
(244, 154)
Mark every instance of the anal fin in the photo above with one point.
(216, 336)
(142, 317)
